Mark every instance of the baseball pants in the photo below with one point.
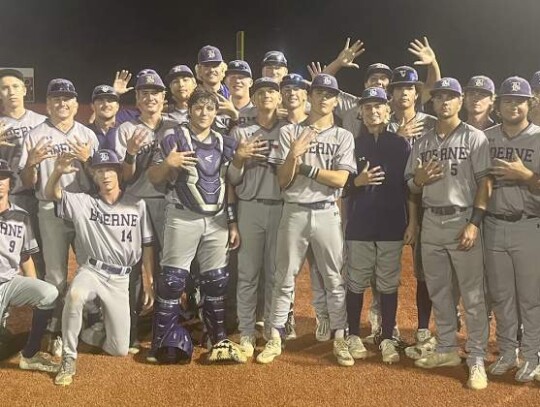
(22, 290)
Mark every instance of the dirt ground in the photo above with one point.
(305, 375)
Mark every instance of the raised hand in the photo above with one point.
(121, 81)
(81, 150)
(254, 148)
(429, 174)
(64, 163)
(41, 151)
(315, 69)
(3, 136)
(424, 53)
(306, 139)
(369, 176)
(181, 159)
(226, 106)
(138, 140)
(411, 129)
(349, 53)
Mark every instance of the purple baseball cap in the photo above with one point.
(373, 94)
(446, 85)
(481, 83)
(325, 81)
(515, 86)
(404, 75)
(274, 58)
(177, 71)
(145, 72)
(105, 158)
(209, 54)
(535, 81)
(149, 81)
(61, 87)
(104, 91)
(264, 82)
(239, 67)
(378, 68)
(12, 72)
(5, 169)
(294, 79)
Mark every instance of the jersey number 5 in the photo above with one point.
(126, 236)
(453, 168)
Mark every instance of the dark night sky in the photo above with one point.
(86, 41)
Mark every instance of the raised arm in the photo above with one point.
(426, 56)
(346, 57)
(63, 165)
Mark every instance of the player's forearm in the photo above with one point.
(235, 172)
(128, 170)
(433, 75)
(29, 176)
(28, 268)
(287, 171)
(333, 178)
(53, 190)
(158, 174)
(483, 193)
(148, 266)
(332, 68)
(413, 202)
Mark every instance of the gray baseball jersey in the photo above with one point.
(334, 151)
(75, 182)
(113, 234)
(141, 186)
(464, 155)
(428, 120)
(509, 197)
(179, 116)
(346, 104)
(260, 179)
(17, 131)
(247, 114)
(17, 239)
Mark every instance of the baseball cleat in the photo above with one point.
(40, 361)
(437, 359)
(374, 338)
(226, 351)
(247, 344)
(322, 331)
(502, 365)
(389, 352)
(527, 372)
(537, 374)
(341, 352)
(271, 350)
(425, 345)
(290, 327)
(134, 348)
(477, 376)
(66, 373)
(356, 347)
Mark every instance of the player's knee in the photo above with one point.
(213, 283)
(49, 294)
(75, 297)
(171, 282)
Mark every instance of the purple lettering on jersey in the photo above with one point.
(445, 153)
(114, 219)
(8, 229)
(507, 153)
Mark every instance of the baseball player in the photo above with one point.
(511, 230)
(449, 166)
(58, 134)
(182, 83)
(314, 160)
(113, 227)
(239, 80)
(105, 105)
(534, 111)
(194, 160)
(16, 247)
(274, 65)
(478, 102)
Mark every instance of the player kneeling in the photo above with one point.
(16, 247)
(113, 227)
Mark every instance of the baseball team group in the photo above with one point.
(282, 170)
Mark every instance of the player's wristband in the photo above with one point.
(232, 213)
(130, 159)
(477, 216)
(308, 171)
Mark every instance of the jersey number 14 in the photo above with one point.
(126, 236)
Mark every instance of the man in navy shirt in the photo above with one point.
(377, 225)
(105, 104)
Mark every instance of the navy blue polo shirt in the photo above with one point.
(379, 212)
(106, 140)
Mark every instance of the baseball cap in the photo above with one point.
(515, 86)
(149, 80)
(104, 91)
(61, 87)
(105, 157)
(11, 72)
(5, 169)
(535, 81)
(145, 72)
(481, 83)
(446, 85)
(378, 68)
(274, 58)
(264, 82)
(178, 70)
(208, 54)
(404, 75)
(294, 79)
(239, 67)
(373, 94)
(325, 81)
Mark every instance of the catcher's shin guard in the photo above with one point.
(213, 284)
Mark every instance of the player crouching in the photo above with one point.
(115, 229)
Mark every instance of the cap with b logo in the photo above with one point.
(264, 82)
(5, 168)
(178, 71)
(294, 79)
(209, 54)
(61, 87)
(373, 94)
(274, 58)
(150, 80)
(447, 85)
(378, 68)
(325, 81)
(481, 83)
(404, 75)
(105, 158)
(515, 86)
(238, 67)
(105, 91)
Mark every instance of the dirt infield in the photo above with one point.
(305, 375)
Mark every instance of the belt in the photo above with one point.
(515, 217)
(317, 205)
(446, 210)
(269, 201)
(109, 268)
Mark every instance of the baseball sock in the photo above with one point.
(354, 308)
(40, 318)
(423, 304)
(388, 314)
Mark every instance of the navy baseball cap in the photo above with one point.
(105, 91)
(209, 54)
(61, 87)
(145, 72)
(515, 86)
(105, 158)
(294, 79)
(325, 81)
(481, 83)
(404, 75)
(378, 68)
(264, 82)
(373, 94)
(274, 58)
(177, 71)
(5, 169)
(11, 72)
(239, 67)
(149, 81)
(535, 81)
(446, 85)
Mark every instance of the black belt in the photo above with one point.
(515, 217)
(317, 205)
(109, 268)
(268, 201)
(446, 210)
